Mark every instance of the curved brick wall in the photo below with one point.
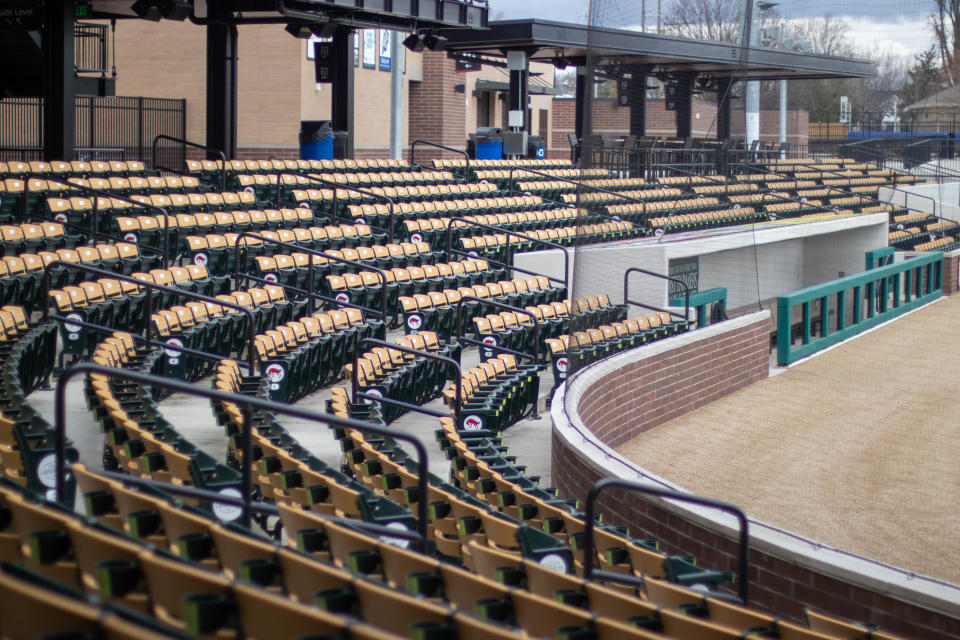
(612, 401)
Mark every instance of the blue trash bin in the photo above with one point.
(316, 140)
(486, 143)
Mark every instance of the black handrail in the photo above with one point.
(247, 402)
(187, 143)
(95, 216)
(262, 508)
(628, 301)
(500, 305)
(205, 355)
(547, 243)
(413, 149)
(450, 362)
(600, 485)
(148, 300)
(381, 274)
(315, 179)
(255, 507)
(579, 184)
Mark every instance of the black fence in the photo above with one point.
(90, 48)
(106, 128)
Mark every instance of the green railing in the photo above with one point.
(699, 301)
(856, 303)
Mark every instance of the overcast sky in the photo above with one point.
(899, 26)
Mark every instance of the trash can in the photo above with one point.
(340, 139)
(316, 140)
(487, 143)
(535, 147)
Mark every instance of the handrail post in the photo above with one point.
(413, 147)
(686, 288)
(187, 143)
(552, 245)
(381, 274)
(105, 194)
(632, 485)
(60, 426)
(148, 302)
(450, 362)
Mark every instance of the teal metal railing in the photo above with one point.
(699, 300)
(874, 296)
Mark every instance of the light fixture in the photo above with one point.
(561, 63)
(434, 42)
(299, 30)
(414, 42)
(156, 9)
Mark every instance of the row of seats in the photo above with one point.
(573, 351)
(436, 230)
(437, 310)
(141, 441)
(346, 164)
(355, 243)
(75, 168)
(391, 373)
(514, 330)
(653, 193)
(114, 303)
(30, 237)
(27, 352)
(379, 214)
(406, 185)
(284, 471)
(302, 355)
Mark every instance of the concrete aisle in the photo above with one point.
(855, 448)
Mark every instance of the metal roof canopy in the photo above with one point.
(387, 14)
(546, 40)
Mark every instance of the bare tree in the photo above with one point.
(945, 22)
(826, 35)
(717, 20)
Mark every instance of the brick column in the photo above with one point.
(437, 112)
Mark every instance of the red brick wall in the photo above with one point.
(647, 392)
(437, 112)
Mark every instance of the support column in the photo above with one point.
(519, 81)
(637, 88)
(724, 89)
(58, 86)
(584, 96)
(684, 103)
(342, 106)
(221, 81)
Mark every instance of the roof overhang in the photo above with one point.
(497, 85)
(388, 14)
(546, 40)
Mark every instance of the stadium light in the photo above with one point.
(415, 42)
(434, 42)
(156, 9)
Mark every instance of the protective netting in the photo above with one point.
(746, 194)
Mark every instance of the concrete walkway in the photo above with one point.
(856, 448)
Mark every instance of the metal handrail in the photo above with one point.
(589, 513)
(413, 147)
(381, 274)
(244, 401)
(314, 178)
(148, 300)
(255, 507)
(500, 305)
(628, 301)
(187, 143)
(552, 245)
(95, 216)
(450, 362)
(579, 184)
(205, 355)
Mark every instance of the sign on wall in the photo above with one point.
(370, 48)
(687, 270)
(385, 60)
(356, 49)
